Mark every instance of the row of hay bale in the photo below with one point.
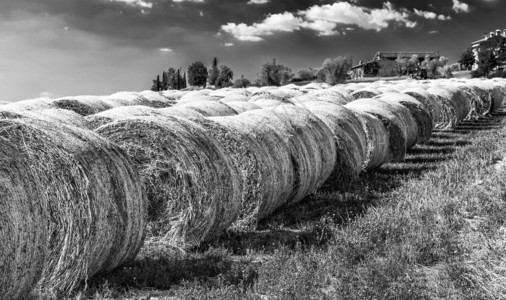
(83, 185)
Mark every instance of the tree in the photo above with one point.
(412, 65)
(274, 74)
(157, 85)
(401, 65)
(225, 77)
(241, 82)
(172, 78)
(214, 72)
(467, 59)
(197, 74)
(487, 61)
(306, 74)
(165, 81)
(336, 69)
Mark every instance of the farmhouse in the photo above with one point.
(476, 46)
(383, 63)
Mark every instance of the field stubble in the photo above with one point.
(430, 227)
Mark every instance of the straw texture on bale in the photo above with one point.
(331, 95)
(182, 112)
(234, 98)
(156, 99)
(125, 99)
(192, 186)
(365, 93)
(451, 112)
(378, 144)
(247, 157)
(419, 113)
(31, 104)
(349, 137)
(59, 116)
(83, 105)
(270, 103)
(119, 113)
(23, 246)
(391, 119)
(429, 101)
(240, 106)
(192, 98)
(312, 146)
(90, 193)
(209, 108)
(482, 106)
(272, 174)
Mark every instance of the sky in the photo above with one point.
(61, 48)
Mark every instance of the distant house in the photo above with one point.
(475, 46)
(383, 64)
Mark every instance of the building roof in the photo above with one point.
(394, 55)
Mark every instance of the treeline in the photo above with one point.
(331, 71)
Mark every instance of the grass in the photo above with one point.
(431, 227)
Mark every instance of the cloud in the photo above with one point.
(47, 95)
(285, 22)
(138, 3)
(322, 27)
(433, 31)
(165, 50)
(197, 1)
(258, 1)
(346, 13)
(431, 15)
(459, 7)
(324, 19)
(227, 44)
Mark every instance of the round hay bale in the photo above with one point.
(459, 100)
(234, 98)
(173, 94)
(31, 104)
(331, 95)
(83, 105)
(312, 144)
(482, 106)
(58, 116)
(227, 92)
(182, 112)
(94, 208)
(269, 178)
(392, 119)
(24, 240)
(192, 187)
(449, 111)
(378, 141)
(496, 92)
(270, 103)
(240, 106)
(125, 99)
(349, 137)
(429, 101)
(209, 108)
(192, 98)
(119, 113)
(420, 114)
(157, 99)
(365, 93)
